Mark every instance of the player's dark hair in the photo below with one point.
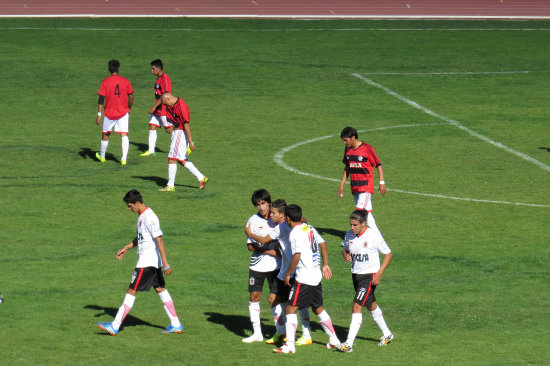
(349, 132)
(157, 63)
(114, 66)
(280, 205)
(359, 215)
(294, 213)
(133, 196)
(260, 195)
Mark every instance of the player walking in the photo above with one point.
(264, 264)
(149, 268)
(360, 160)
(362, 247)
(280, 235)
(307, 290)
(181, 140)
(118, 96)
(158, 110)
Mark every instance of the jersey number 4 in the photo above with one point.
(117, 91)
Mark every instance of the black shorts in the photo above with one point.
(256, 281)
(304, 296)
(145, 278)
(283, 290)
(364, 289)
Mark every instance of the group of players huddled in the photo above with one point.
(116, 97)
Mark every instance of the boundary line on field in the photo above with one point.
(452, 122)
(278, 159)
(283, 29)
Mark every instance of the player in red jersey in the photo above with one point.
(178, 112)
(158, 110)
(117, 95)
(360, 160)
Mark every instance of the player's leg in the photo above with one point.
(122, 128)
(203, 179)
(255, 287)
(125, 142)
(175, 324)
(378, 318)
(154, 122)
(305, 339)
(106, 129)
(174, 156)
(324, 318)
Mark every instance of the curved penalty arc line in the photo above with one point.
(279, 155)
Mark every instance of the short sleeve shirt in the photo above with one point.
(282, 232)
(115, 89)
(304, 239)
(361, 163)
(179, 114)
(364, 250)
(261, 262)
(162, 85)
(148, 228)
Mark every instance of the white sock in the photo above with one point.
(193, 170)
(326, 324)
(172, 170)
(152, 140)
(103, 147)
(371, 223)
(304, 314)
(356, 321)
(169, 308)
(291, 325)
(378, 318)
(125, 147)
(254, 311)
(124, 309)
(276, 311)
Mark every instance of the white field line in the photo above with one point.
(454, 123)
(449, 73)
(278, 159)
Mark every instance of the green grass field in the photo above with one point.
(468, 284)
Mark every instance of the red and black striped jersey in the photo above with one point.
(178, 114)
(115, 89)
(361, 163)
(162, 85)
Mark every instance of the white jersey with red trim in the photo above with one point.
(305, 240)
(282, 233)
(148, 228)
(261, 262)
(364, 250)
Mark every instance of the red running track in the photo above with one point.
(512, 9)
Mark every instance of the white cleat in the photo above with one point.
(254, 338)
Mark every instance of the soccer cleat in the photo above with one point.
(189, 151)
(284, 349)
(277, 338)
(98, 157)
(123, 162)
(330, 346)
(148, 153)
(304, 341)
(108, 327)
(171, 329)
(254, 338)
(344, 347)
(167, 189)
(202, 182)
(385, 340)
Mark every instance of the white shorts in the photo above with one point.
(363, 201)
(120, 125)
(178, 147)
(159, 121)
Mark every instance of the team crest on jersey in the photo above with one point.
(251, 281)
(360, 158)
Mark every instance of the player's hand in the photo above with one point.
(382, 189)
(376, 278)
(347, 256)
(98, 120)
(327, 273)
(192, 146)
(152, 110)
(167, 270)
(340, 193)
(121, 253)
(287, 280)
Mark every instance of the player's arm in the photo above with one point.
(293, 264)
(126, 248)
(378, 275)
(156, 105)
(187, 129)
(327, 273)
(259, 239)
(100, 103)
(382, 185)
(343, 181)
(130, 100)
(346, 255)
(162, 251)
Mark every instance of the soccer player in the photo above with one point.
(264, 264)
(306, 290)
(362, 247)
(360, 160)
(118, 96)
(181, 140)
(149, 268)
(280, 234)
(158, 110)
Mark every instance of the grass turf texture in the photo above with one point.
(469, 280)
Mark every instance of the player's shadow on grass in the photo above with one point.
(161, 182)
(233, 323)
(333, 232)
(129, 321)
(87, 153)
(144, 147)
(545, 148)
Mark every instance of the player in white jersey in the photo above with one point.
(264, 264)
(150, 266)
(362, 247)
(306, 290)
(280, 235)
